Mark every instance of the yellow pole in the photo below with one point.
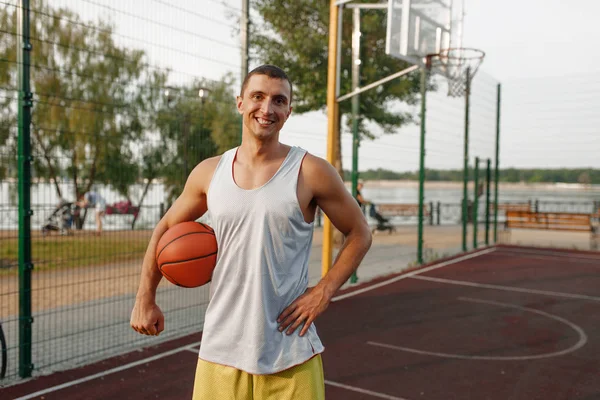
(332, 113)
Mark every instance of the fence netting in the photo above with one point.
(128, 97)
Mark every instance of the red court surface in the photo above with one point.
(501, 323)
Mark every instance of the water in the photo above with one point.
(452, 192)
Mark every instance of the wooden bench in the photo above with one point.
(402, 210)
(560, 221)
(504, 207)
(512, 207)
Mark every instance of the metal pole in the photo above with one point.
(186, 134)
(25, 211)
(380, 82)
(424, 74)
(332, 115)
(497, 162)
(355, 99)
(466, 162)
(475, 202)
(355, 106)
(488, 184)
(338, 64)
(245, 34)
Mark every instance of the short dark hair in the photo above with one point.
(272, 71)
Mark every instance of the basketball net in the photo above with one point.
(459, 66)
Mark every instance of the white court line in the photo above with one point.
(193, 350)
(413, 273)
(508, 288)
(549, 252)
(580, 343)
(107, 372)
(534, 256)
(359, 390)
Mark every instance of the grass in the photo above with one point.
(80, 250)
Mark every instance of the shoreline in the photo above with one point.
(459, 185)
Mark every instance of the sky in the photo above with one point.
(543, 53)
(540, 51)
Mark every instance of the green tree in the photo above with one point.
(194, 128)
(92, 98)
(8, 93)
(293, 34)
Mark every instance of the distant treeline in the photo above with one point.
(563, 175)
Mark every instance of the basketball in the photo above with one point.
(187, 254)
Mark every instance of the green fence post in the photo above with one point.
(466, 161)
(475, 202)
(496, 168)
(424, 76)
(25, 211)
(355, 106)
(488, 183)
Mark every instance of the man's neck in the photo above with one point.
(254, 152)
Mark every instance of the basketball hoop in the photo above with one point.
(454, 64)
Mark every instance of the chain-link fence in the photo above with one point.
(126, 99)
(389, 170)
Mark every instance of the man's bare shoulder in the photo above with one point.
(314, 166)
(318, 173)
(201, 175)
(210, 164)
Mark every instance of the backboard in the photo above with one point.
(417, 28)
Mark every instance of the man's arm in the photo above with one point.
(146, 317)
(341, 208)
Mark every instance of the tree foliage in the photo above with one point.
(193, 128)
(92, 97)
(293, 34)
(100, 113)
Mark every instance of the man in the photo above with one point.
(259, 340)
(95, 200)
(359, 197)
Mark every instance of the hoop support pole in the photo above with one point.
(377, 83)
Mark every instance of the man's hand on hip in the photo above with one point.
(304, 310)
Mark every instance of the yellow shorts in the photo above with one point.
(220, 382)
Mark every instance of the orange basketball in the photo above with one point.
(187, 254)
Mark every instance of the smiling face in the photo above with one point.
(265, 106)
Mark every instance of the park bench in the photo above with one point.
(559, 221)
(512, 207)
(123, 208)
(402, 210)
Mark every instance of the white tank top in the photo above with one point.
(262, 267)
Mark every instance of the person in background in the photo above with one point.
(93, 199)
(362, 202)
